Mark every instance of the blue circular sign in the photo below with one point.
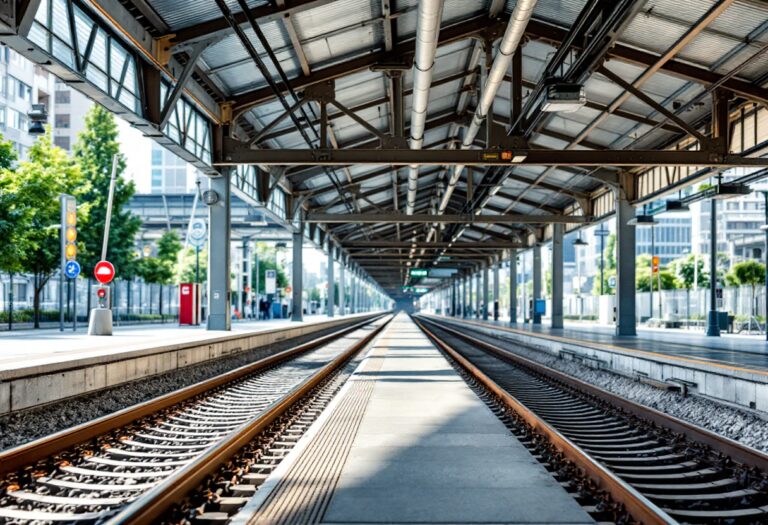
(72, 269)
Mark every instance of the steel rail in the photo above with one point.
(15, 458)
(150, 506)
(726, 446)
(642, 509)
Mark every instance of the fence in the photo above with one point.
(132, 300)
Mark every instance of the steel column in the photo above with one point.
(219, 315)
(342, 290)
(512, 286)
(485, 292)
(713, 325)
(557, 276)
(536, 282)
(297, 312)
(496, 265)
(331, 288)
(626, 324)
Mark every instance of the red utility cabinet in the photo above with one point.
(189, 304)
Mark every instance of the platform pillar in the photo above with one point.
(353, 293)
(626, 324)
(329, 303)
(466, 296)
(342, 287)
(713, 323)
(496, 265)
(476, 279)
(557, 276)
(485, 291)
(536, 282)
(512, 286)
(219, 314)
(297, 277)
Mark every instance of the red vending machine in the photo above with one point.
(189, 303)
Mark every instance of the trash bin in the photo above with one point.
(731, 321)
(722, 321)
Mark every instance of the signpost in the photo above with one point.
(69, 265)
(198, 231)
(419, 272)
(100, 320)
(270, 281)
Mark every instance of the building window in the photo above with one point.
(62, 121)
(62, 142)
(63, 96)
(157, 156)
(18, 89)
(17, 120)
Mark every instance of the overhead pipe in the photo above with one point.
(430, 14)
(509, 43)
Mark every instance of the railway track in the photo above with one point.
(132, 466)
(662, 469)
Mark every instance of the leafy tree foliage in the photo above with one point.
(187, 272)
(748, 273)
(37, 185)
(267, 261)
(687, 272)
(94, 150)
(160, 269)
(14, 215)
(644, 280)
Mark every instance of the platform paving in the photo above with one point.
(409, 442)
(30, 348)
(737, 350)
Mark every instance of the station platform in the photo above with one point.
(407, 441)
(31, 348)
(727, 368)
(39, 367)
(735, 350)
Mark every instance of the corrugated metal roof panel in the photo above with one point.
(335, 15)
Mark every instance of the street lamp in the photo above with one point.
(646, 219)
(602, 233)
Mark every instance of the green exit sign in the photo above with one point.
(420, 290)
(419, 272)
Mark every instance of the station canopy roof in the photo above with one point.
(649, 84)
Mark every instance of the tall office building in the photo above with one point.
(70, 107)
(671, 237)
(738, 223)
(21, 85)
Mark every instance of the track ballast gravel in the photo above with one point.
(21, 427)
(739, 425)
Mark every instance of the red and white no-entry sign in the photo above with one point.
(104, 272)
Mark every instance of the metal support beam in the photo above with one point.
(513, 286)
(297, 292)
(486, 297)
(342, 288)
(331, 288)
(557, 276)
(496, 267)
(371, 218)
(536, 282)
(173, 96)
(713, 322)
(219, 315)
(235, 152)
(625, 267)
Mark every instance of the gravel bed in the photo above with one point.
(740, 425)
(24, 426)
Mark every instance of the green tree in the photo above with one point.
(94, 150)
(38, 183)
(14, 214)
(187, 273)
(686, 272)
(643, 281)
(748, 273)
(267, 261)
(160, 269)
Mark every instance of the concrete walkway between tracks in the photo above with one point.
(407, 441)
